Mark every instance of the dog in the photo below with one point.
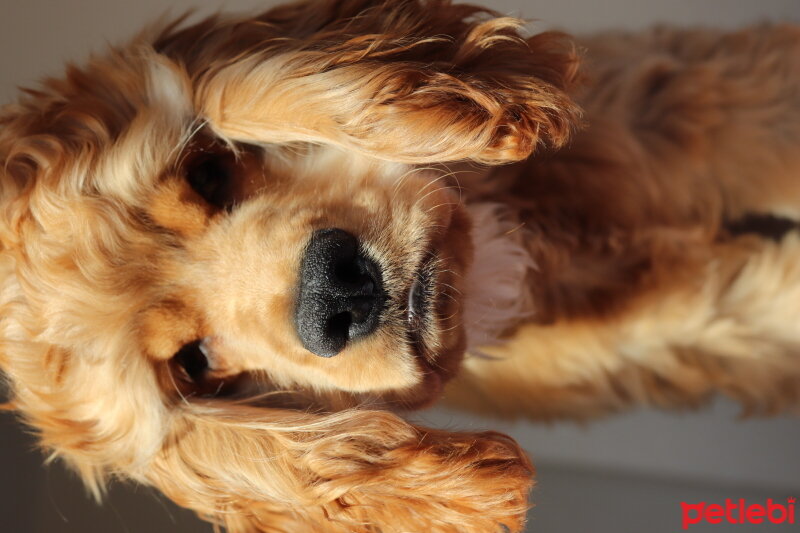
(235, 252)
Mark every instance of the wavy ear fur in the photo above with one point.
(350, 472)
(413, 81)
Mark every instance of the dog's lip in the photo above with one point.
(418, 306)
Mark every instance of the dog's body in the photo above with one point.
(232, 250)
(664, 237)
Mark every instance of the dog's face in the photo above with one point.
(255, 209)
(275, 274)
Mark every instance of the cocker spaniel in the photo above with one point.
(234, 252)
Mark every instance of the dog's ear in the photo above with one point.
(16, 176)
(412, 81)
(354, 471)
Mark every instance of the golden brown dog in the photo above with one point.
(233, 251)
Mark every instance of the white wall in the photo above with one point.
(38, 36)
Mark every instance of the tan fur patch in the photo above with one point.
(175, 207)
(168, 326)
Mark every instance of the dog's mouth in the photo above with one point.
(419, 313)
(433, 308)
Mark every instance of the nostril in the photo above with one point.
(338, 330)
(348, 271)
(354, 276)
(340, 294)
(360, 310)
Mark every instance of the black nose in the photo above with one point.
(340, 295)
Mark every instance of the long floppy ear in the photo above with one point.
(350, 472)
(413, 81)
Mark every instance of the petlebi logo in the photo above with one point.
(739, 512)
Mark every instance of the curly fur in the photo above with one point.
(645, 293)
(603, 271)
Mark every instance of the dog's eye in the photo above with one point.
(196, 372)
(192, 362)
(210, 177)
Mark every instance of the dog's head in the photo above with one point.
(222, 242)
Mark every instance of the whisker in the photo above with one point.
(404, 177)
(440, 205)
(177, 389)
(434, 191)
(181, 146)
(447, 285)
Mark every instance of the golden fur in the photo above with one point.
(642, 292)
(600, 272)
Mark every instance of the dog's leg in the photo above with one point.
(733, 329)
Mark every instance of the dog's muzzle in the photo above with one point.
(340, 297)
